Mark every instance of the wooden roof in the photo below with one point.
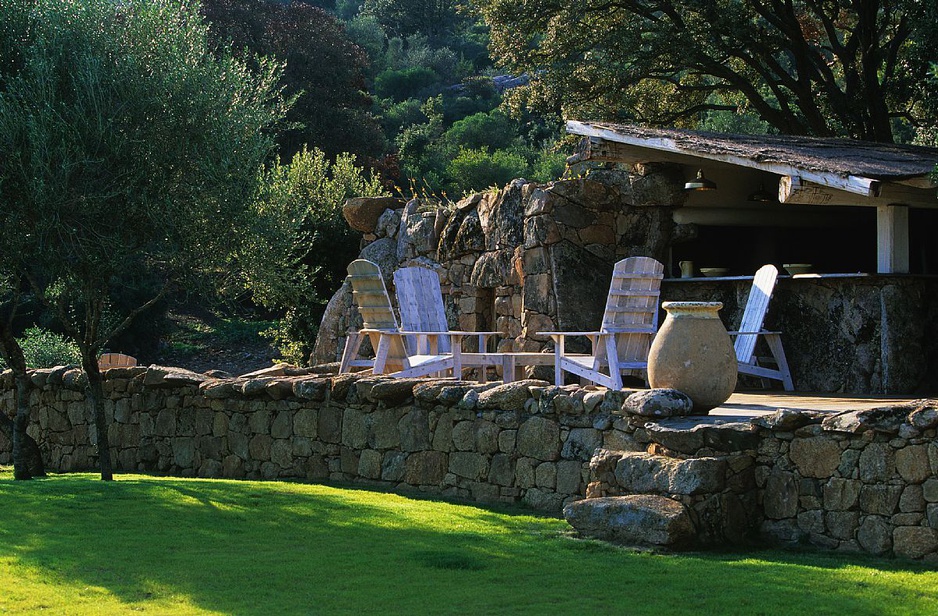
(851, 165)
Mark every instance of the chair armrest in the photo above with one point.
(758, 333)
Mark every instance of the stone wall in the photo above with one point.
(487, 443)
(858, 481)
(855, 481)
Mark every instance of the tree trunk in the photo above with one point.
(27, 457)
(96, 395)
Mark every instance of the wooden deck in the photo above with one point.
(753, 404)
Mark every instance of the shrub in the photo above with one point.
(403, 84)
(45, 349)
(304, 267)
(493, 130)
(474, 170)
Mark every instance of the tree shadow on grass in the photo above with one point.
(262, 548)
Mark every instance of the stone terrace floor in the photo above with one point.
(746, 405)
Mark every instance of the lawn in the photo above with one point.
(70, 544)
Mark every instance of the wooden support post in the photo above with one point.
(892, 239)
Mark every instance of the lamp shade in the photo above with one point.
(700, 183)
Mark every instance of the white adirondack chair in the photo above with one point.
(423, 316)
(387, 337)
(751, 328)
(630, 321)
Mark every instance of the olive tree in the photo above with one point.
(831, 68)
(129, 152)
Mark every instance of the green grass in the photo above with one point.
(70, 544)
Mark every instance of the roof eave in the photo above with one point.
(859, 185)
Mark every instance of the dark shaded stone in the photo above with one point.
(491, 269)
(691, 435)
(780, 499)
(885, 419)
(633, 520)
(788, 420)
(311, 389)
(255, 386)
(925, 416)
(584, 278)
(394, 391)
(462, 235)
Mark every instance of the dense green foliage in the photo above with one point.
(803, 67)
(324, 70)
(184, 546)
(299, 265)
(45, 349)
(130, 155)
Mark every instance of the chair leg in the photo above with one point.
(612, 358)
(352, 344)
(558, 357)
(778, 353)
(381, 354)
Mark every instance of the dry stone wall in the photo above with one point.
(489, 443)
(856, 481)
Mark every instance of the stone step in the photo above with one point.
(639, 520)
(689, 435)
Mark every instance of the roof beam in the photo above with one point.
(797, 190)
(852, 184)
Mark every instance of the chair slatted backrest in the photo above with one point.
(116, 360)
(632, 306)
(763, 284)
(371, 296)
(421, 304)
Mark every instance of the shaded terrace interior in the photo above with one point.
(863, 216)
(736, 232)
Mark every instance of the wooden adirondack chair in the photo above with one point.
(763, 284)
(423, 313)
(630, 321)
(386, 336)
(116, 360)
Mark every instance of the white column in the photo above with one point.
(892, 239)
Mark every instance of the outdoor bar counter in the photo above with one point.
(850, 333)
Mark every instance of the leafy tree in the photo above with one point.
(128, 151)
(301, 265)
(803, 66)
(400, 85)
(437, 19)
(46, 349)
(479, 169)
(324, 70)
(493, 130)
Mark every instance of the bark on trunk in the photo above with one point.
(27, 457)
(96, 395)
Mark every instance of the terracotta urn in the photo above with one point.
(693, 353)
